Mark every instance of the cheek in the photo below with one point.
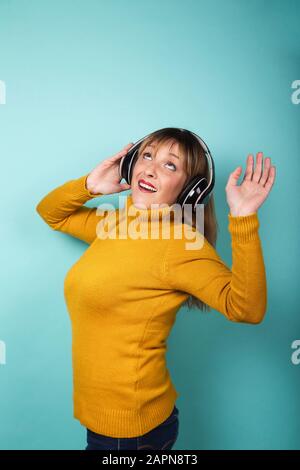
(169, 185)
(134, 172)
(136, 168)
(177, 179)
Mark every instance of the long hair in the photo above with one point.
(195, 163)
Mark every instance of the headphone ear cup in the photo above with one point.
(127, 163)
(190, 194)
(123, 168)
(132, 161)
(184, 193)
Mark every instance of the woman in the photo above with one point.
(124, 292)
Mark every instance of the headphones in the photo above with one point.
(197, 191)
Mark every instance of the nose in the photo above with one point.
(149, 170)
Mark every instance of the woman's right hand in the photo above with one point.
(105, 178)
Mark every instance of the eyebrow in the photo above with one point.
(170, 153)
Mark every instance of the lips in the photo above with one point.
(144, 182)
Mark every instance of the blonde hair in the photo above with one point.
(195, 163)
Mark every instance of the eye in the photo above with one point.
(146, 153)
(169, 163)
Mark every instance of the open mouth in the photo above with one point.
(146, 188)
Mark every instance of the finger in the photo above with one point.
(249, 168)
(271, 178)
(234, 176)
(267, 166)
(258, 167)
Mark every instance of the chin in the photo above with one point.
(143, 200)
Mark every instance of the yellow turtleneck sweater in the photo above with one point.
(123, 294)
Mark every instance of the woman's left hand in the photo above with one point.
(254, 189)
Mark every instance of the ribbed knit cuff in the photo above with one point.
(82, 189)
(243, 228)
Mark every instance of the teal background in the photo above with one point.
(83, 79)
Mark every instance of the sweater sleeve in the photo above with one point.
(62, 209)
(240, 293)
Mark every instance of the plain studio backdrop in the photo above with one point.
(80, 80)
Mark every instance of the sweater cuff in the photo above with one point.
(243, 228)
(82, 189)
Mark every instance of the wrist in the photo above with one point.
(234, 213)
(89, 186)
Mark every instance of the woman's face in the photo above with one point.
(165, 172)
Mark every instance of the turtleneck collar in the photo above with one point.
(150, 214)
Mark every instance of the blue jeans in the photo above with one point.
(162, 437)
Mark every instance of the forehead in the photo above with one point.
(169, 146)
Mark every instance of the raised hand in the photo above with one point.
(256, 185)
(105, 178)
